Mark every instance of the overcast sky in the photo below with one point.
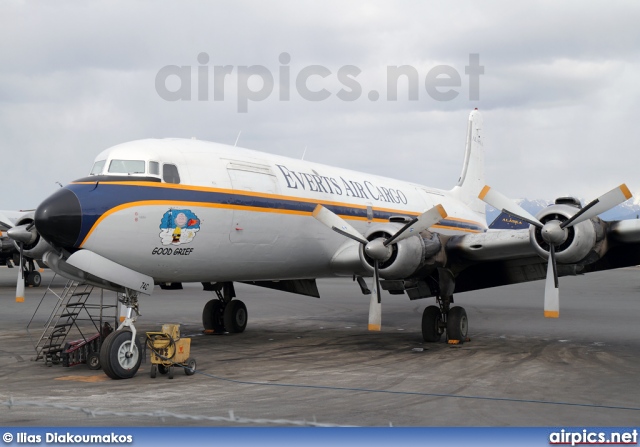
(560, 93)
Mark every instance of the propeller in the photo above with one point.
(22, 234)
(554, 232)
(378, 249)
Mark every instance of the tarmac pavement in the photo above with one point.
(305, 360)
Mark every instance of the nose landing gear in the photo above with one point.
(121, 351)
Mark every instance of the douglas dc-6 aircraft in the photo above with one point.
(170, 211)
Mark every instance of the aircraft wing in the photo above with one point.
(625, 231)
(8, 219)
(493, 245)
(502, 257)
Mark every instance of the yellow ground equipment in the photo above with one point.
(168, 350)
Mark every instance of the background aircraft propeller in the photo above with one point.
(378, 249)
(555, 232)
(22, 234)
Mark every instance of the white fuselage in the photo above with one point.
(239, 214)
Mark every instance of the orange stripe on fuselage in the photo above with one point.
(256, 209)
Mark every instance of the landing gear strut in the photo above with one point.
(121, 352)
(224, 314)
(438, 319)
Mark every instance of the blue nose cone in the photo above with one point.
(59, 218)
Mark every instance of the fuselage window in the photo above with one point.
(126, 167)
(170, 173)
(98, 166)
(154, 168)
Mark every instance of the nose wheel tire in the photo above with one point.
(235, 316)
(115, 356)
(457, 324)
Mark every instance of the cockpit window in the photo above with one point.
(170, 173)
(126, 167)
(98, 166)
(154, 168)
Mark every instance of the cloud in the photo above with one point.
(558, 91)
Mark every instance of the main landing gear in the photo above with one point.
(438, 319)
(224, 314)
(32, 277)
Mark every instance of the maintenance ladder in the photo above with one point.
(74, 313)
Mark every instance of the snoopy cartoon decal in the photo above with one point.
(178, 227)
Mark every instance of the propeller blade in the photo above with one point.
(337, 224)
(375, 304)
(504, 204)
(420, 223)
(20, 285)
(551, 290)
(598, 206)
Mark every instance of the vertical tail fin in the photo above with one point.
(471, 179)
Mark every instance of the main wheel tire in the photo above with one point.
(235, 316)
(213, 316)
(457, 324)
(191, 366)
(431, 318)
(114, 355)
(33, 279)
(93, 361)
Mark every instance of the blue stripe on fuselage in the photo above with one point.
(97, 199)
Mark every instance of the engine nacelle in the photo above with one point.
(580, 240)
(6, 245)
(38, 246)
(407, 256)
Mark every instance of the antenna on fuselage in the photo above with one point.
(304, 152)
(237, 138)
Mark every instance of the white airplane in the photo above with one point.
(9, 249)
(169, 211)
